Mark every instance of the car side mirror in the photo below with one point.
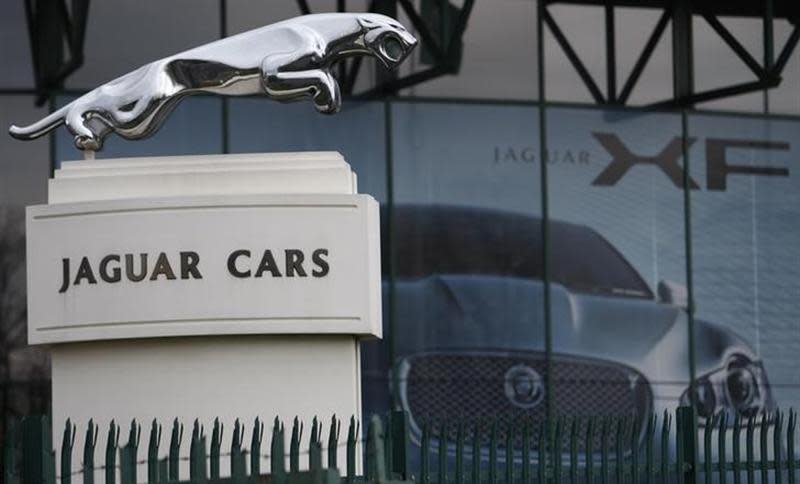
(673, 293)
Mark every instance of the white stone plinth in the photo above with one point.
(262, 274)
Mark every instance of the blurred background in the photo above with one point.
(652, 259)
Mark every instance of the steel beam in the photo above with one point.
(644, 57)
(583, 72)
(682, 58)
(788, 49)
(710, 95)
(769, 35)
(611, 54)
(734, 44)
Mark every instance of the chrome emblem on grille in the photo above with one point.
(524, 387)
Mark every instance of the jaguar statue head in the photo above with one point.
(386, 39)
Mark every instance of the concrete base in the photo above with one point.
(191, 377)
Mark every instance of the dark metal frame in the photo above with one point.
(49, 18)
(680, 12)
(51, 22)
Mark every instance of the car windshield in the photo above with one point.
(584, 261)
(429, 240)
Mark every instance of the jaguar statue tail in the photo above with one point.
(40, 127)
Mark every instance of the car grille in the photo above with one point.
(444, 387)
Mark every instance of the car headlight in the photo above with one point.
(740, 387)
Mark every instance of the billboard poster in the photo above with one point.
(464, 297)
(468, 322)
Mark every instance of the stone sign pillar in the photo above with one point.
(229, 286)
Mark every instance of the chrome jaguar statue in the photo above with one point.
(285, 61)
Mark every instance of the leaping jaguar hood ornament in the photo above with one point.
(286, 61)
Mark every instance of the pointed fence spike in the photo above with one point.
(634, 442)
(492, 452)
(294, 446)
(194, 471)
(777, 439)
(67, 441)
(459, 470)
(605, 469)
(707, 452)
(751, 468)
(649, 449)
(174, 451)
(790, 427)
(425, 452)
(133, 434)
(89, 444)
(762, 434)
(255, 447)
(442, 448)
(509, 450)
(129, 454)
(588, 447)
(722, 438)
(333, 442)
(542, 449)
(111, 453)
(216, 446)
(238, 465)
(152, 452)
(556, 447)
(277, 451)
(315, 446)
(573, 450)
(737, 466)
(666, 422)
(790, 463)
(476, 452)
(203, 451)
(526, 450)
(352, 435)
(620, 454)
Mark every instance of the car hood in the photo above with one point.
(489, 314)
(467, 312)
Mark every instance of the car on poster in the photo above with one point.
(467, 302)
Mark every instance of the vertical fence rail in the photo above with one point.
(450, 451)
(67, 442)
(790, 445)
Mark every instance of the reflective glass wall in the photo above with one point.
(464, 230)
(632, 239)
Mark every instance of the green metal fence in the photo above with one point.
(518, 450)
(29, 458)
